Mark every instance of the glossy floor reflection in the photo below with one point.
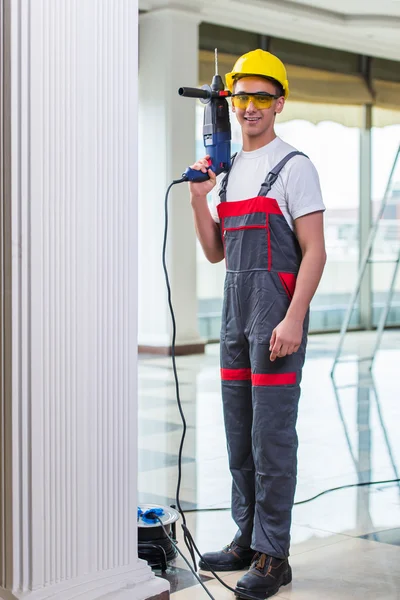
(346, 543)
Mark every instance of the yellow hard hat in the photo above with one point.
(261, 63)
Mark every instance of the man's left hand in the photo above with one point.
(286, 338)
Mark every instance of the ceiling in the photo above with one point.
(363, 26)
(355, 7)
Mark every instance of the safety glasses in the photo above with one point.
(260, 100)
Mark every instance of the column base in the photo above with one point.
(180, 350)
(139, 583)
(154, 589)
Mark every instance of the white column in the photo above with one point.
(168, 58)
(68, 414)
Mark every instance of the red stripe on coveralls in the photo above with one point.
(235, 374)
(223, 240)
(269, 244)
(261, 379)
(245, 227)
(238, 208)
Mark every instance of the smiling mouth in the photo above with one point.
(252, 119)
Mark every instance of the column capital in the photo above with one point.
(181, 8)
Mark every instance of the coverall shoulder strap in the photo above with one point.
(224, 182)
(273, 174)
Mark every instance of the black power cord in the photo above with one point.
(187, 536)
(164, 262)
(190, 543)
(328, 491)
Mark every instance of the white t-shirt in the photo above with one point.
(297, 189)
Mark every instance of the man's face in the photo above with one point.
(256, 121)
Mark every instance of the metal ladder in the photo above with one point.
(366, 260)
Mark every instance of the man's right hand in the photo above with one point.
(207, 230)
(200, 190)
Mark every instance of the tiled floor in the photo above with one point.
(345, 544)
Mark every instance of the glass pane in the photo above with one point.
(386, 248)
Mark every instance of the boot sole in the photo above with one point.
(217, 568)
(250, 595)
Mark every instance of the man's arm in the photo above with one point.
(207, 229)
(310, 234)
(286, 337)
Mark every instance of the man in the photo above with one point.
(266, 220)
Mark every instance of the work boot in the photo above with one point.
(230, 558)
(264, 578)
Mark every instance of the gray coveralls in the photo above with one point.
(260, 397)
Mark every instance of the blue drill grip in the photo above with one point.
(195, 176)
(220, 159)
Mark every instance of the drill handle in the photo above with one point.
(190, 92)
(195, 175)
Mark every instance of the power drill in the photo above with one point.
(216, 126)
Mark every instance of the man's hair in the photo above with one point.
(278, 86)
(279, 91)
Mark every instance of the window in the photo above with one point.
(334, 149)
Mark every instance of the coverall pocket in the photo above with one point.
(287, 252)
(278, 287)
(281, 372)
(288, 282)
(231, 336)
(247, 248)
